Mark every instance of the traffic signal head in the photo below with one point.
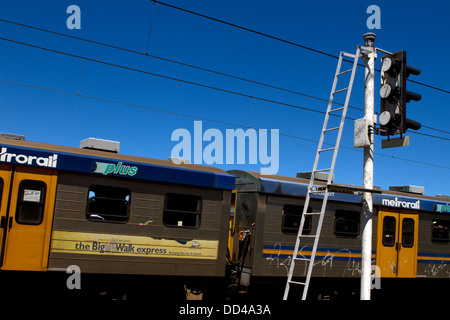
(394, 95)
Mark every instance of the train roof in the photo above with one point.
(289, 186)
(112, 164)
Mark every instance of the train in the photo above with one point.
(137, 228)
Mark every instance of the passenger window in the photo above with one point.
(181, 210)
(108, 204)
(389, 227)
(291, 218)
(346, 223)
(408, 233)
(440, 231)
(31, 202)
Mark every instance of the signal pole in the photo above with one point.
(369, 56)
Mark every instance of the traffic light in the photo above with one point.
(394, 95)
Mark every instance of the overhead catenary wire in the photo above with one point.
(280, 39)
(173, 61)
(246, 29)
(166, 77)
(184, 81)
(150, 29)
(201, 68)
(204, 119)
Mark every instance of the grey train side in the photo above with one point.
(410, 246)
(130, 226)
(138, 276)
(145, 218)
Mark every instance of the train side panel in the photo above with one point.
(433, 259)
(339, 250)
(152, 228)
(410, 239)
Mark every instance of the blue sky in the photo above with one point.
(329, 26)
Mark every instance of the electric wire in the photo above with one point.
(204, 119)
(173, 61)
(247, 29)
(279, 39)
(150, 29)
(428, 135)
(187, 81)
(168, 77)
(199, 68)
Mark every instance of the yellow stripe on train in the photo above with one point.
(122, 245)
(304, 253)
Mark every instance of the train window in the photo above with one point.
(108, 204)
(182, 210)
(31, 202)
(440, 231)
(292, 215)
(389, 227)
(407, 233)
(346, 223)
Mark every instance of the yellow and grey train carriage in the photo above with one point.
(410, 249)
(109, 214)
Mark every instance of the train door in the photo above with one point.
(28, 196)
(5, 182)
(397, 243)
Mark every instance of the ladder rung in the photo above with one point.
(350, 55)
(331, 129)
(328, 149)
(303, 259)
(308, 235)
(316, 191)
(313, 213)
(320, 189)
(322, 170)
(340, 90)
(344, 72)
(337, 109)
(296, 282)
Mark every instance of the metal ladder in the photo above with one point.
(324, 190)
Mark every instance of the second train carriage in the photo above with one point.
(411, 243)
(108, 213)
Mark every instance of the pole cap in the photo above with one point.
(369, 39)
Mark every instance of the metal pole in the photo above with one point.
(366, 252)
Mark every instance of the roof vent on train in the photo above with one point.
(12, 136)
(100, 144)
(176, 160)
(320, 176)
(409, 189)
